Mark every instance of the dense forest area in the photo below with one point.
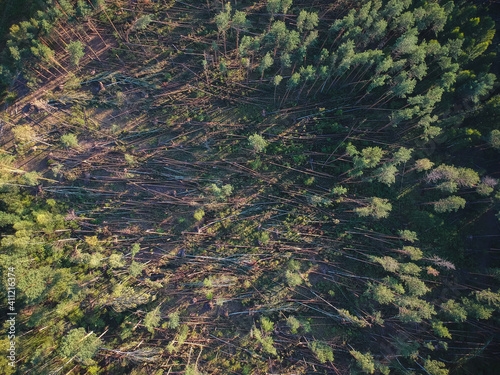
(249, 187)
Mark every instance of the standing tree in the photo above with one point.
(83, 10)
(239, 22)
(364, 361)
(494, 138)
(307, 21)
(452, 203)
(377, 207)
(386, 174)
(278, 34)
(75, 50)
(273, 7)
(222, 20)
(277, 81)
(80, 345)
(285, 6)
(266, 62)
(67, 8)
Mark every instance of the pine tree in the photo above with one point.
(222, 20)
(494, 139)
(239, 22)
(152, 319)
(142, 23)
(75, 50)
(452, 203)
(377, 207)
(81, 345)
(323, 351)
(266, 62)
(364, 361)
(386, 174)
(273, 7)
(307, 21)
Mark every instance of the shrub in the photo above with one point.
(116, 261)
(364, 361)
(23, 133)
(69, 141)
(293, 323)
(257, 142)
(129, 159)
(135, 249)
(142, 23)
(135, 269)
(266, 324)
(173, 320)
(152, 319)
(198, 214)
(293, 278)
(322, 351)
(30, 178)
(221, 192)
(339, 190)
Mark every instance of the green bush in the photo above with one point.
(199, 214)
(257, 142)
(69, 141)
